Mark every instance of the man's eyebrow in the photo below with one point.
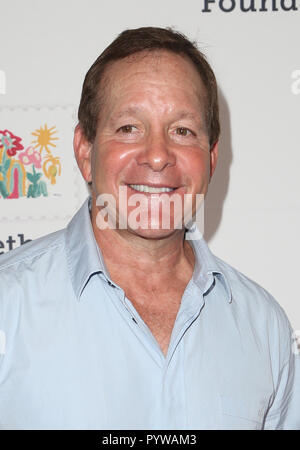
(181, 114)
(126, 112)
(188, 115)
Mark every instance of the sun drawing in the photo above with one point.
(44, 138)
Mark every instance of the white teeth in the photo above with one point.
(150, 189)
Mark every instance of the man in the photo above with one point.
(136, 327)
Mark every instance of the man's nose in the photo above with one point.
(157, 153)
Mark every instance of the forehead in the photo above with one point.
(162, 67)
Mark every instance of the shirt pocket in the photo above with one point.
(242, 414)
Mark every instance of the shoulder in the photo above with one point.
(26, 254)
(253, 300)
(29, 264)
(24, 272)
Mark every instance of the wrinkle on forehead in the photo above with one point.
(152, 59)
(156, 61)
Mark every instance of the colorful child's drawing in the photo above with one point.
(22, 171)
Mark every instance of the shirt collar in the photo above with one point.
(85, 259)
(83, 254)
(206, 265)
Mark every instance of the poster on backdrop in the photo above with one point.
(38, 174)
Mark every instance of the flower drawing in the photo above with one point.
(15, 178)
(10, 142)
(31, 156)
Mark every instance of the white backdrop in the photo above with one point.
(252, 215)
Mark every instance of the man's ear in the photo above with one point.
(213, 158)
(82, 150)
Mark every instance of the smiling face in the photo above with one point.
(151, 134)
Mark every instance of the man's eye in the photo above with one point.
(182, 131)
(126, 129)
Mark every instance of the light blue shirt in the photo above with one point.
(75, 354)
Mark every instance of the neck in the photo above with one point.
(149, 259)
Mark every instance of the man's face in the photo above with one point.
(152, 132)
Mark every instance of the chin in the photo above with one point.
(154, 234)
